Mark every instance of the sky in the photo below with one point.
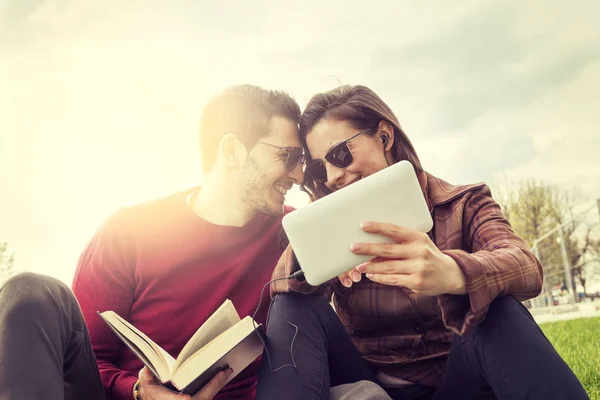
(100, 100)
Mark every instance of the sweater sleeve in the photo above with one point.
(498, 264)
(105, 280)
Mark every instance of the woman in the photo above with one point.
(434, 315)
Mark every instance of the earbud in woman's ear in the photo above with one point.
(385, 139)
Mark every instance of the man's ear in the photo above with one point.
(386, 129)
(232, 151)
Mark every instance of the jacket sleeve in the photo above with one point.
(498, 263)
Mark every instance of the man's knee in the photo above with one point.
(32, 284)
(33, 294)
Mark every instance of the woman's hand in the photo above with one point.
(413, 261)
(349, 277)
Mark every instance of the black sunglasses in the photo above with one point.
(339, 156)
(294, 155)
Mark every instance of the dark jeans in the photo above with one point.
(45, 350)
(323, 353)
(505, 357)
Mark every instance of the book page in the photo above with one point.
(222, 319)
(141, 354)
(159, 358)
(236, 348)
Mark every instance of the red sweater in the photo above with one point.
(166, 270)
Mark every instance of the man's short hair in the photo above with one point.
(244, 110)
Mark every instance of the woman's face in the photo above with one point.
(367, 151)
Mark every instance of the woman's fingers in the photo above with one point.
(350, 277)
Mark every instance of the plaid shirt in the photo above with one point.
(407, 336)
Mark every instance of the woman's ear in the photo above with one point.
(386, 132)
(232, 151)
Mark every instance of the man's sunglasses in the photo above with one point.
(339, 156)
(294, 155)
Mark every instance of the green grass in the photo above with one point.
(578, 343)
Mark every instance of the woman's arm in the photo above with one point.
(499, 263)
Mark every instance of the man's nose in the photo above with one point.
(297, 175)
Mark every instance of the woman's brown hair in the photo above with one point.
(362, 109)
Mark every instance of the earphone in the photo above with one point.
(385, 139)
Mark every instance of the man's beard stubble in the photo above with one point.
(255, 185)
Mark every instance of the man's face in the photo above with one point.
(265, 178)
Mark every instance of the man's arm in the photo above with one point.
(105, 280)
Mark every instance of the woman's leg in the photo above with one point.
(323, 352)
(507, 356)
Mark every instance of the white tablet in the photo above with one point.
(321, 232)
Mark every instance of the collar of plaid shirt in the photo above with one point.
(438, 192)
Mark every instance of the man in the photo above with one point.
(165, 266)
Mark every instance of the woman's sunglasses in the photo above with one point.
(294, 155)
(339, 156)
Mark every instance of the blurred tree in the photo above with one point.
(534, 208)
(8, 267)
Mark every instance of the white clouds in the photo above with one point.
(564, 126)
(100, 99)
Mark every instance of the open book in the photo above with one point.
(222, 341)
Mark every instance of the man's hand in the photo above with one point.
(213, 386)
(151, 389)
(413, 261)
